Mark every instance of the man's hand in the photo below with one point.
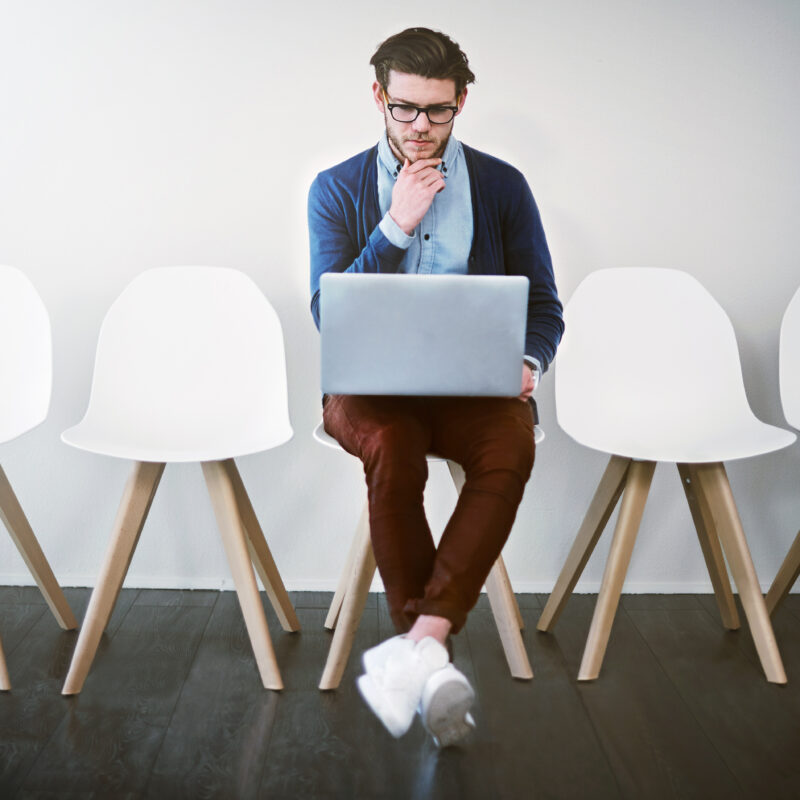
(528, 382)
(413, 193)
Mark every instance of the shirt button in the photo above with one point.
(427, 236)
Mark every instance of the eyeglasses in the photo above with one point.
(437, 115)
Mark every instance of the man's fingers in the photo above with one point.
(427, 173)
(423, 163)
(433, 177)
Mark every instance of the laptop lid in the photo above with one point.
(398, 334)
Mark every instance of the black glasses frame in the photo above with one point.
(425, 111)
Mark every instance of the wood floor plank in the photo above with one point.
(217, 740)
(25, 595)
(311, 599)
(663, 602)
(59, 795)
(173, 708)
(792, 604)
(545, 714)
(650, 736)
(111, 732)
(146, 660)
(751, 722)
(528, 600)
(311, 752)
(16, 620)
(29, 713)
(107, 754)
(177, 597)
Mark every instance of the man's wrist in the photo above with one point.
(394, 233)
(535, 367)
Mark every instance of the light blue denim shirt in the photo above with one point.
(441, 243)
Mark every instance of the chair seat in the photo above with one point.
(323, 437)
(169, 445)
(711, 441)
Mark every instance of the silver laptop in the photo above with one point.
(457, 335)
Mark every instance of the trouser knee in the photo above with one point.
(503, 465)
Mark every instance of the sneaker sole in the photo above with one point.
(446, 711)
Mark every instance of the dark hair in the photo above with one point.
(421, 51)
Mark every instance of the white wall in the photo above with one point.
(148, 133)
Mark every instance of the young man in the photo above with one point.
(422, 202)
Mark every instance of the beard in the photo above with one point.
(398, 146)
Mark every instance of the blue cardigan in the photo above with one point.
(508, 238)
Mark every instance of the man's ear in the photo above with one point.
(377, 94)
(461, 101)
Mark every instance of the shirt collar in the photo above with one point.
(452, 154)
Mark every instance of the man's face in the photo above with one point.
(420, 138)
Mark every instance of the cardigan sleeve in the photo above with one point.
(526, 253)
(333, 227)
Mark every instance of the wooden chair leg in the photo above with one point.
(136, 501)
(260, 553)
(786, 577)
(505, 610)
(709, 543)
(23, 537)
(637, 485)
(341, 586)
(499, 569)
(600, 509)
(503, 603)
(355, 598)
(5, 680)
(226, 510)
(714, 482)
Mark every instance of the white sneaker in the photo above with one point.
(445, 704)
(396, 677)
(374, 660)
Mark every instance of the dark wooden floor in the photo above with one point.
(173, 708)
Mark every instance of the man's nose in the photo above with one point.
(421, 123)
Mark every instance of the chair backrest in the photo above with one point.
(26, 356)
(649, 367)
(190, 366)
(790, 362)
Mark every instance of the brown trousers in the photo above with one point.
(491, 438)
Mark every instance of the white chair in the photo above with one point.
(26, 370)
(351, 593)
(190, 366)
(789, 371)
(649, 371)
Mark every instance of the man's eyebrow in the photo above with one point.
(399, 101)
